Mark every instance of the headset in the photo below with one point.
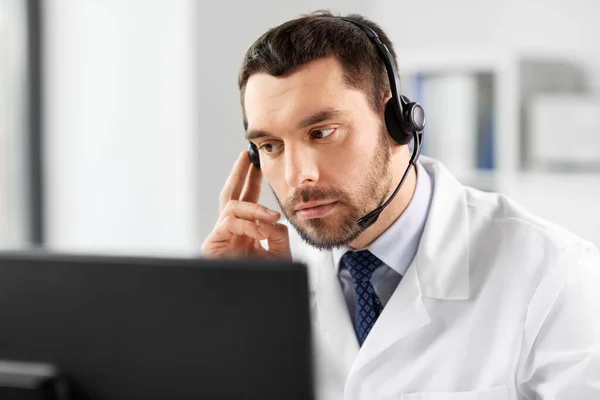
(404, 119)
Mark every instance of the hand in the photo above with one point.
(243, 222)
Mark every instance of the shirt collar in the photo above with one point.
(398, 245)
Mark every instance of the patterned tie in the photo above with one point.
(361, 265)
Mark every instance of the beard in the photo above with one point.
(341, 228)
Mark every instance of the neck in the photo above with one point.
(393, 211)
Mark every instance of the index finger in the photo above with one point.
(235, 182)
(252, 186)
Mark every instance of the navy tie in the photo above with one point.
(361, 265)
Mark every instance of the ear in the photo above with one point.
(392, 122)
(385, 98)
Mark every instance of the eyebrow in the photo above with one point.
(324, 115)
(253, 134)
(321, 116)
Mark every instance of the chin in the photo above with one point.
(327, 232)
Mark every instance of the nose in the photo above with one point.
(300, 166)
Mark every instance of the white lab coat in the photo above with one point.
(497, 304)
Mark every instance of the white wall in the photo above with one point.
(567, 27)
(143, 117)
(567, 200)
(121, 126)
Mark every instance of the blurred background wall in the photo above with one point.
(141, 119)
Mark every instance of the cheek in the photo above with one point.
(275, 177)
(340, 166)
(354, 163)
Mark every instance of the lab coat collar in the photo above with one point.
(440, 269)
(442, 261)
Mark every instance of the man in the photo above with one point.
(451, 293)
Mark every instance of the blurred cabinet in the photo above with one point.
(526, 125)
(479, 105)
(564, 132)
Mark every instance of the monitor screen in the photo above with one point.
(148, 328)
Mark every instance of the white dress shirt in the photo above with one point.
(396, 247)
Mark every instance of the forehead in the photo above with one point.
(316, 85)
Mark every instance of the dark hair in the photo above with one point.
(283, 49)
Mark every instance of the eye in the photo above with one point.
(322, 133)
(269, 147)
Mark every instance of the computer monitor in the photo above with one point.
(149, 328)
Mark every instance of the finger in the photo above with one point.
(235, 181)
(279, 240)
(250, 211)
(231, 226)
(252, 185)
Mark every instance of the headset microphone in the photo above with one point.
(372, 217)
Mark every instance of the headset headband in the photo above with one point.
(388, 61)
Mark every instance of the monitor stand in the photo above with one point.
(31, 381)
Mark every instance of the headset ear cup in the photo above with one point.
(254, 158)
(414, 117)
(394, 123)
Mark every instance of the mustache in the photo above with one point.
(308, 194)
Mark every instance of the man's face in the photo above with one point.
(323, 150)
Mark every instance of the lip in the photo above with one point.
(312, 204)
(315, 209)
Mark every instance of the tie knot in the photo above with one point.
(361, 264)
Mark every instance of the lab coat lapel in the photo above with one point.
(404, 314)
(440, 269)
(333, 320)
(443, 257)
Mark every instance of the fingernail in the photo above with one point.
(273, 213)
